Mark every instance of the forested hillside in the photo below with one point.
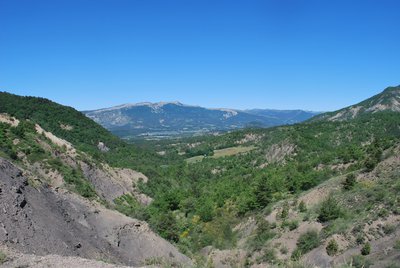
(73, 126)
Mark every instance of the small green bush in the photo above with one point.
(370, 164)
(332, 248)
(389, 229)
(360, 239)
(360, 262)
(3, 257)
(397, 245)
(269, 256)
(329, 210)
(350, 181)
(291, 225)
(302, 207)
(285, 211)
(366, 249)
(284, 250)
(263, 234)
(306, 242)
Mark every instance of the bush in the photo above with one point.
(292, 225)
(3, 257)
(269, 256)
(350, 181)
(306, 242)
(332, 248)
(360, 239)
(397, 245)
(302, 207)
(329, 210)
(284, 250)
(366, 249)
(263, 234)
(389, 229)
(360, 262)
(370, 164)
(285, 211)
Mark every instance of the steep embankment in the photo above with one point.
(44, 220)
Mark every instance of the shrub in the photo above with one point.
(3, 257)
(329, 210)
(389, 229)
(292, 225)
(263, 234)
(350, 181)
(285, 211)
(306, 242)
(332, 248)
(284, 250)
(269, 256)
(360, 262)
(366, 249)
(302, 207)
(397, 245)
(360, 239)
(370, 164)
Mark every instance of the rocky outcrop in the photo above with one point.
(45, 221)
(111, 183)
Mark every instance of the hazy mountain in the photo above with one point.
(284, 116)
(175, 118)
(388, 100)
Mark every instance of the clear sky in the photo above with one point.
(285, 54)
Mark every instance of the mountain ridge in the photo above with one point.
(176, 118)
(387, 100)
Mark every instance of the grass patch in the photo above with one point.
(231, 151)
(306, 242)
(263, 234)
(195, 159)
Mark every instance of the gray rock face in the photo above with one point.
(102, 147)
(44, 221)
(111, 183)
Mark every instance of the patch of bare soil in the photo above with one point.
(278, 152)
(5, 118)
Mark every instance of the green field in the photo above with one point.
(222, 153)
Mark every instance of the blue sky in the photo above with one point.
(285, 54)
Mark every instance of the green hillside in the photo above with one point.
(64, 122)
(85, 134)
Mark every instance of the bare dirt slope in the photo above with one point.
(45, 221)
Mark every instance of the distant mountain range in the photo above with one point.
(164, 119)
